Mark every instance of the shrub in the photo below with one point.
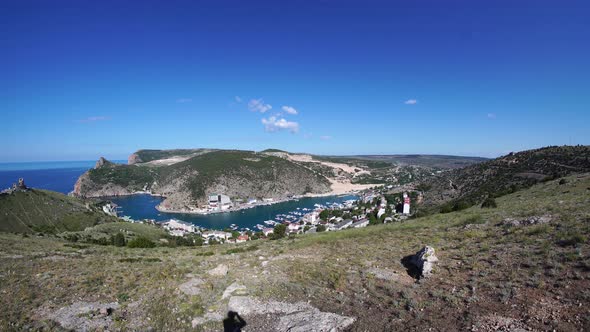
(118, 240)
(141, 242)
(279, 231)
(447, 208)
(320, 228)
(562, 181)
(489, 203)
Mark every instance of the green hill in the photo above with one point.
(186, 182)
(48, 212)
(467, 186)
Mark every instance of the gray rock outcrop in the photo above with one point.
(534, 220)
(424, 261)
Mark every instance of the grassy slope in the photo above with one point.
(506, 174)
(150, 155)
(535, 276)
(46, 211)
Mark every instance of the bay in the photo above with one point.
(142, 206)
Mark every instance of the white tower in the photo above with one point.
(406, 204)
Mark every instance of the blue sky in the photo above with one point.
(83, 79)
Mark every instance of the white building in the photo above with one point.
(178, 227)
(293, 227)
(219, 202)
(406, 204)
(217, 235)
(380, 212)
(360, 223)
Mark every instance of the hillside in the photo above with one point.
(186, 182)
(145, 156)
(48, 212)
(426, 160)
(520, 266)
(471, 185)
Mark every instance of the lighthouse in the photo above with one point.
(406, 204)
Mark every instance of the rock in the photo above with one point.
(292, 316)
(233, 288)
(313, 321)
(219, 271)
(424, 260)
(81, 316)
(101, 162)
(534, 220)
(191, 287)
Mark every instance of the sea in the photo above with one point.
(61, 177)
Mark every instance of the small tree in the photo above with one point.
(320, 228)
(119, 240)
(279, 231)
(489, 203)
(324, 214)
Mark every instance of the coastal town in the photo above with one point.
(373, 206)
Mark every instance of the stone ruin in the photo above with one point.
(19, 186)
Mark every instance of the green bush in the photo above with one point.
(320, 228)
(279, 231)
(141, 242)
(118, 240)
(489, 203)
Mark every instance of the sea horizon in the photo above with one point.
(43, 165)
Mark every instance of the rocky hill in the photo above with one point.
(467, 186)
(45, 211)
(185, 181)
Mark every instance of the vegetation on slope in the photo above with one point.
(151, 155)
(247, 169)
(130, 176)
(468, 186)
(48, 212)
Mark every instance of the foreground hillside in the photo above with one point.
(520, 266)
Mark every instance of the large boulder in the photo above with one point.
(424, 261)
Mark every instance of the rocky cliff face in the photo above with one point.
(134, 159)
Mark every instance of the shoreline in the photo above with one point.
(338, 189)
(250, 206)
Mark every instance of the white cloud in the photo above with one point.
(184, 100)
(289, 110)
(325, 138)
(258, 105)
(273, 124)
(238, 99)
(411, 102)
(491, 115)
(94, 119)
